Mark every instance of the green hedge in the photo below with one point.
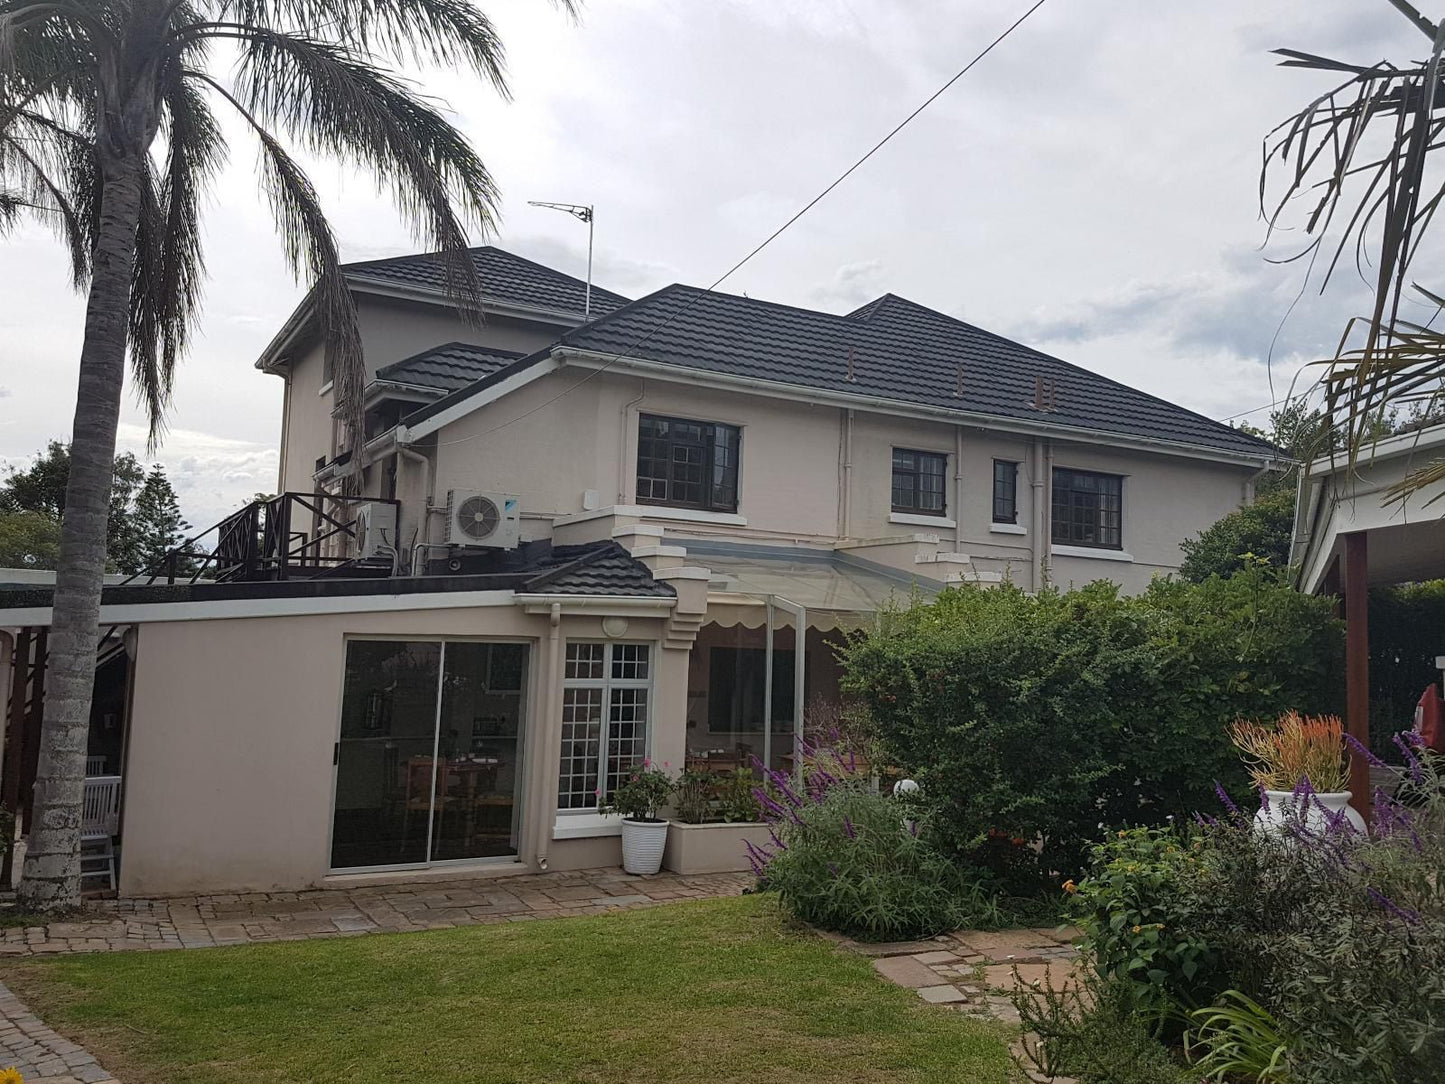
(1028, 717)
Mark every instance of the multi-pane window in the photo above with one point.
(687, 464)
(918, 481)
(1088, 508)
(1005, 491)
(606, 697)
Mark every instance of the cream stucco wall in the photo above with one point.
(804, 481)
(229, 775)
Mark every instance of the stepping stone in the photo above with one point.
(906, 971)
(936, 957)
(942, 995)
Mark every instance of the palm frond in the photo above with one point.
(336, 104)
(311, 250)
(170, 266)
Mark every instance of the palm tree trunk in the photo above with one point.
(51, 877)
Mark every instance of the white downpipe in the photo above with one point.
(411, 455)
(958, 489)
(1038, 494)
(845, 516)
(543, 729)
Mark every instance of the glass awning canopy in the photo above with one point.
(832, 588)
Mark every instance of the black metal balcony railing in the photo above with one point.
(289, 536)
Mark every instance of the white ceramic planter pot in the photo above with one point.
(1282, 808)
(642, 845)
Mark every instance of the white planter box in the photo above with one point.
(712, 848)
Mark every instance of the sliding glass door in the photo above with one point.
(429, 762)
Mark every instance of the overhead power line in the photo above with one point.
(776, 233)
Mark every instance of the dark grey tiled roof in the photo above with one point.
(603, 568)
(597, 568)
(448, 367)
(901, 351)
(504, 277)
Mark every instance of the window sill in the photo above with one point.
(586, 825)
(325, 389)
(656, 511)
(1090, 551)
(1007, 528)
(915, 520)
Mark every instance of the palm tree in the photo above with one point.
(109, 132)
(1357, 159)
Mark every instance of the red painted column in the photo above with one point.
(1357, 664)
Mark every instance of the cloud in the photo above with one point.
(852, 285)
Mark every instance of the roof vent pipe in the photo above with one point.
(1045, 392)
(958, 388)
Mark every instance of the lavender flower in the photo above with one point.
(833, 868)
(1224, 798)
(848, 828)
(1363, 750)
(1412, 762)
(1404, 914)
(913, 829)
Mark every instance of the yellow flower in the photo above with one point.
(11, 1076)
(1136, 929)
(1070, 887)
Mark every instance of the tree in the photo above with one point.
(108, 133)
(144, 521)
(28, 540)
(1261, 531)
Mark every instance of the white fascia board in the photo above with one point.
(600, 605)
(411, 434)
(270, 357)
(584, 359)
(1429, 439)
(137, 613)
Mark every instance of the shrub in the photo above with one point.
(848, 864)
(641, 795)
(1038, 717)
(1093, 1034)
(1257, 532)
(703, 797)
(1140, 925)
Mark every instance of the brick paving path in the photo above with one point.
(28, 1045)
(207, 921)
(972, 971)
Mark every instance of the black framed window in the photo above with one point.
(687, 464)
(918, 482)
(1005, 491)
(1088, 509)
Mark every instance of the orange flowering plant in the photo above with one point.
(1294, 748)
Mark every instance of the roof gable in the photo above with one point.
(504, 276)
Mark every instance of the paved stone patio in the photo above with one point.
(209, 921)
(28, 1045)
(973, 971)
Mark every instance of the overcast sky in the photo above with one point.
(1089, 188)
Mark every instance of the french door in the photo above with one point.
(429, 760)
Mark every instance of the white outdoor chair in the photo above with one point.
(94, 765)
(100, 820)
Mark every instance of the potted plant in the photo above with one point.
(639, 798)
(1299, 765)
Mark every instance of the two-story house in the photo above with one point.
(578, 543)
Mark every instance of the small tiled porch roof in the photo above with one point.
(447, 367)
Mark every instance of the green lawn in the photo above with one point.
(711, 991)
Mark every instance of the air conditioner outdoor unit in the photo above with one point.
(375, 529)
(493, 520)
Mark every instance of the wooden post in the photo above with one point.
(1357, 664)
(15, 742)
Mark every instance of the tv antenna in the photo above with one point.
(583, 213)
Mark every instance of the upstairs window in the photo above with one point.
(687, 464)
(1005, 491)
(918, 482)
(1088, 509)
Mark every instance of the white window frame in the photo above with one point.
(607, 683)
